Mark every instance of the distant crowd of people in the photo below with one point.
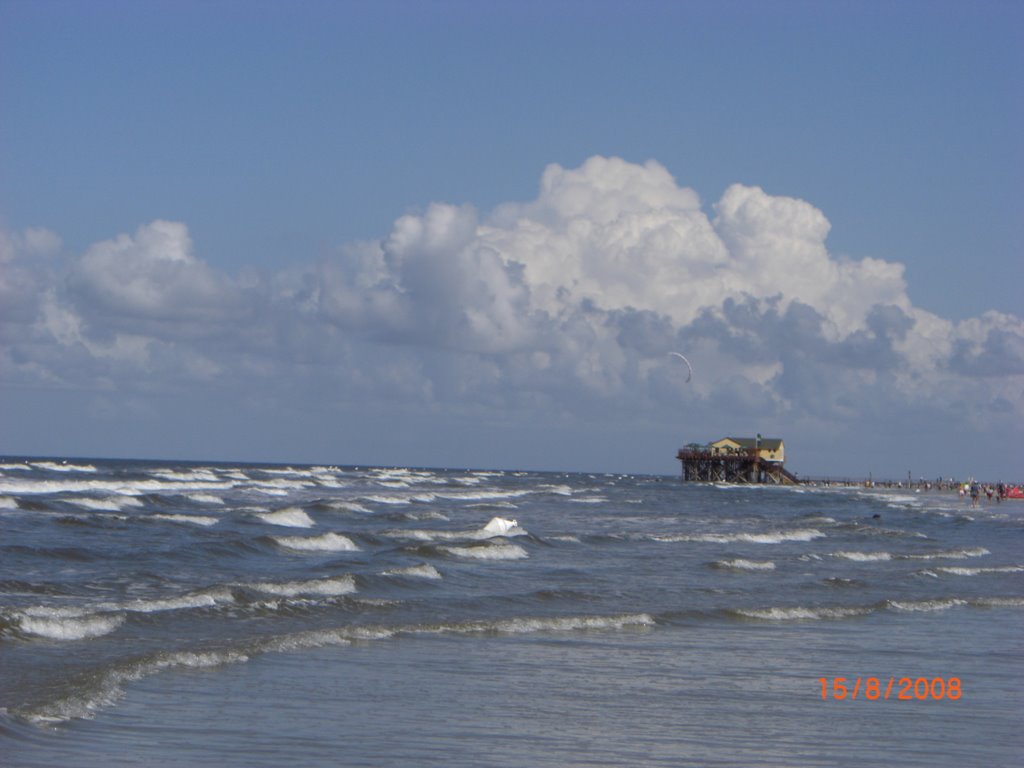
(1000, 491)
(972, 488)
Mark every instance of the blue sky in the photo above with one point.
(435, 233)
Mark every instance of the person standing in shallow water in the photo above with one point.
(975, 493)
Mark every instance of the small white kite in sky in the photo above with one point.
(689, 368)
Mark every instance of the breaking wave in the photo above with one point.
(327, 542)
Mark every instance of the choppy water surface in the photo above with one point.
(179, 614)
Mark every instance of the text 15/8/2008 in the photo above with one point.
(903, 688)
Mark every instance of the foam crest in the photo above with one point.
(496, 527)
(745, 565)
(423, 571)
(864, 557)
(204, 520)
(802, 613)
(6, 502)
(956, 554)
(108, 689)
(327, 542)
(339, 585)
(566, 624)
(773, 537)
(489, 552)
(107, 504)
(205, 498)
(501, 526)
(925, 605)
(67, 628)
(290, 517)
(981, 571)
(52, 466)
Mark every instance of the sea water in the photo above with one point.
(172, 614)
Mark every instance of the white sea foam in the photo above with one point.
(925, 605)
(773, 537)
(204, 520)
(205, 498)
(803, 614)
(569, 623)
(956, 554)
(53, 466)
(204, 599)
(490, 552)
(57, 627)
(497, 526)
(108, 689)
(378, 499)
(501, 526)
(290, 517)
(746, 565)
(981, 571)
(423, 571)
(6, 502)
(327, 542)
(864, 557)
(107, 504)
(349, 506)
(338, 585)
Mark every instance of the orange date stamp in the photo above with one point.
(899, 688)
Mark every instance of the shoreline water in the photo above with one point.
(170, 613)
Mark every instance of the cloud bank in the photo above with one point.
(561, 309)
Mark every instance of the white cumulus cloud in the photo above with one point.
(564, 304)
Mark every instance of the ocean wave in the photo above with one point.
(107, 689)
(925, 605)
(864, 557)
(68, 628)
(529, 625)
(8, 502)
(121, 487)
(423, 571)
(337, 585)
(489, 552)
(327, 542)
(802, 613)
(289, 517)
(495, 527)
(64, 466)
(981, 571)
(773, 537)
(348, 506)
(107, 504)
(745, 565)
(205, 498)
(955, 554)
(204, 520)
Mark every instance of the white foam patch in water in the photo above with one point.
(6, 502)
(205, 498)
(490, 552)
(339, 585)
(773, 537)
(926, 605)
(69, 627)
(327, 542)
(803, 614)
(981, 571)
(108, 504)
(204, 520)
(290, 517)
(416, 571)
(864, 557)
(746, 565)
